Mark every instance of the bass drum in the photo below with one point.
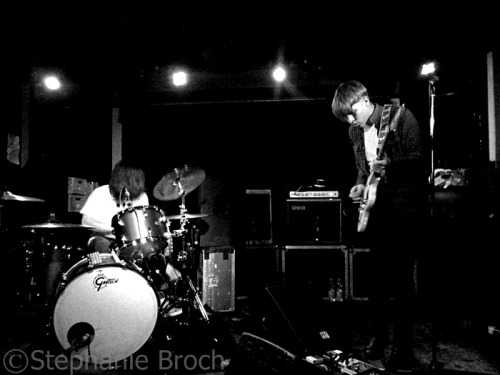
(104, 313)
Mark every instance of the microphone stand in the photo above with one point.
(434, 365)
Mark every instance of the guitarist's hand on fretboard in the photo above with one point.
(378, 165)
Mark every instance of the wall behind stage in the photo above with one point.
(260, 144)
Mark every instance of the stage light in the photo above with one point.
(179, 78)
(428, 69)
(279, 74)
(52, 83)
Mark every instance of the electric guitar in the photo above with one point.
(370, 192)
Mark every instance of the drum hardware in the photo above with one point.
(170, 306)
(184, 294)
(181, 190)
(179, 182)
(187, 216)
(8, 196)
(52, 223)
(197, 299)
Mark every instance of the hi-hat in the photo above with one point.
(56, 225)
(180, 181)
(187, 216)
(8, 196)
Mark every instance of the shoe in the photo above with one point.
(402, 359)
(376, 348)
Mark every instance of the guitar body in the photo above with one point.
(369, 198)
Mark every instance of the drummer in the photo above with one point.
(125, 189)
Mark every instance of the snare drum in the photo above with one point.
(112, 302)
(140, 231)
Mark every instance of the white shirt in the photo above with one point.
(371, 143)
(101, 206)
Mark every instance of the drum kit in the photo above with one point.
(105, 312)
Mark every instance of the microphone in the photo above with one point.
(128, 201)
(79, 335)
(433, 79)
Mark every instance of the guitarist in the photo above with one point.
(399, 218)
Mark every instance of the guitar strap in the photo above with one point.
(384, 127)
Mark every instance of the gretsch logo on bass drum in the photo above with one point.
(101, 281)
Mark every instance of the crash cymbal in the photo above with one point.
(188, 216)
(8, 196)
(180, 181)
(56, 225)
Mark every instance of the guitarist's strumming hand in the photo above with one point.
(356, 192)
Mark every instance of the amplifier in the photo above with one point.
(315, 194)
(314, 221)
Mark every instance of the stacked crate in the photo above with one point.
(78, 191)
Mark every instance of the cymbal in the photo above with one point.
(56, 225)
(188, 216)
(180, 181)
(8, 196)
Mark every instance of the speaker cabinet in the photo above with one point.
(314, 267)
(314, 221)
(219, 202)
(258, 217)
(359, 266)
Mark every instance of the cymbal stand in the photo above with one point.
(182, 207)
(183, 256)
(183, 221)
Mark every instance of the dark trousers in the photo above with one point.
(396, 240)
